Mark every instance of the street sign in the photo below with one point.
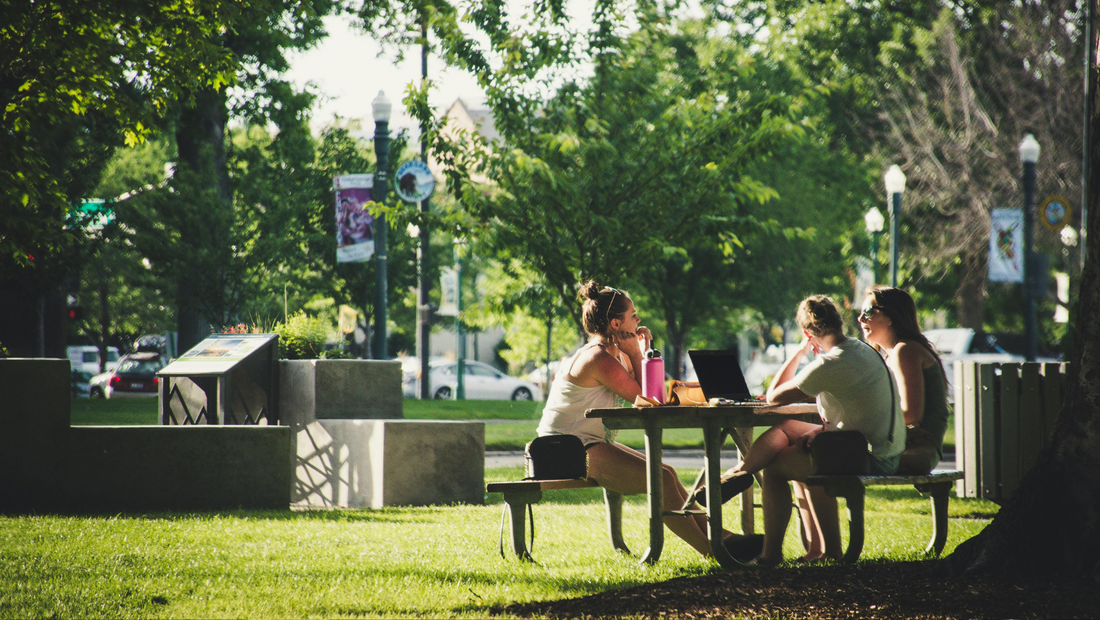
(90, 214)
(1055, 212)
(414, 181)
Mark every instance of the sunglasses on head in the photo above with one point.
(614, 293)
(866, 313)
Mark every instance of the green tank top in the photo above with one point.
(935, 405)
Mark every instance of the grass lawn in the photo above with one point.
(396, 562)
(522, 419)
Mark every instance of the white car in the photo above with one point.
(481, 382)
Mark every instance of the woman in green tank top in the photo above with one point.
(889, 321)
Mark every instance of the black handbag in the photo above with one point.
(840, 453)
(835, 453)
(555, 457)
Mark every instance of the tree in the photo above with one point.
(1050, 525)
(628, 169)
(76, 79)
(946, 88)
(955, 118)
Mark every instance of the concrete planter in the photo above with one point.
(339, 390)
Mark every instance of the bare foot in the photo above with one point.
(765, 562)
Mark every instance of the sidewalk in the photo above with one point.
(680, 459)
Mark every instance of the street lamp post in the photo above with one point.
(1029, 155)
(460, 345)
(895, 186)
(381, 108)
(874, 221)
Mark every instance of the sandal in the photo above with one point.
(732, 485)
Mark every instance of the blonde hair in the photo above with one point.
(818, 315)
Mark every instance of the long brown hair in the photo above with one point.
(902, 312)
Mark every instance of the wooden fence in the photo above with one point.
(1004, 415)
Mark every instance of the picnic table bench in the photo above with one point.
(852, 488)
(520, 495)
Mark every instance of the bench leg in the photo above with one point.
(853, 494)
(938, 492)
(614, 503)
(517, 511)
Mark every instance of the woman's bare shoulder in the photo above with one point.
(911, 352)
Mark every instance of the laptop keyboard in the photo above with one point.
(719, 402)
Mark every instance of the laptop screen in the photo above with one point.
(720, 375)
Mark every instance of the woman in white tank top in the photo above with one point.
(608, 367)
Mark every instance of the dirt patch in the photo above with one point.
(866, 590)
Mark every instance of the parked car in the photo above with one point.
(86, 358)
(81, 383)
(482, 382)
(962, 344)
(135, 376)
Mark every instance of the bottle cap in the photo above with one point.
(653, 353)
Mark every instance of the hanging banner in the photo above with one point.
(448, 288)
(1006, 245)
(354, 225)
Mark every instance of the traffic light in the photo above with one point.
(76, 313)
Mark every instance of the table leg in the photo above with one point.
(742, 437)
(712, 456)
(654, 493)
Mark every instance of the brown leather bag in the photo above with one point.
(685, 393)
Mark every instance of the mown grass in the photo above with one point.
(397, 562)
(512, 424)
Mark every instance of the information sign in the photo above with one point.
(415, 181)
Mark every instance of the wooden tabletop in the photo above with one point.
(692, 417)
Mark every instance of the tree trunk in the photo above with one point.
(1051, 523)
(970, 296)
(200, 139)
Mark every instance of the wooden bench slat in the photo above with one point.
(538, 485)
(936, 476)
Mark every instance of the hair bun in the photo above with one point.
(590, 290)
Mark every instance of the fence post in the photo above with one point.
(1031, 416)
(988, 397)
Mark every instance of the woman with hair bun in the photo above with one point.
(609, 366)
(854, 391)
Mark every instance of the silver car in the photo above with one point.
(481, 381)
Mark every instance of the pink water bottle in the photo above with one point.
(653, 376)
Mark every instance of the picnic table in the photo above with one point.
(713, 421)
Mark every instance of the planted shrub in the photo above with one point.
(302, 337)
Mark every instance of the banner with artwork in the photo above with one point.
(1006, 246)
(354, 225)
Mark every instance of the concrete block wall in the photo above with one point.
(50, 466)
(376, 463)
(152, 468)
(34, 419)
(339, 389)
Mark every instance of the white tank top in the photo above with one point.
(565, 407)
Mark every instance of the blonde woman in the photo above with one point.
(854, 391)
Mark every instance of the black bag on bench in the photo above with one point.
(840, 452)
(555, 457)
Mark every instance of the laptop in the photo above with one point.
(720, 376)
